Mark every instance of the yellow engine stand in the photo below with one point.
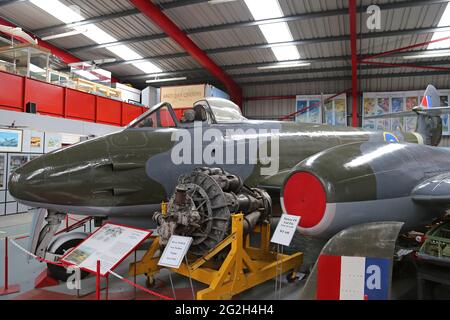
(243, 268)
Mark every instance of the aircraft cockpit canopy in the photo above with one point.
(209, 110)
(223, 110)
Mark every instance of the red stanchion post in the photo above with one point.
(97, 281)
(6, 264)
(7, 289)
(107, 286)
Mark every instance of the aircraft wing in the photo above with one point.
(275, 182)
(433, 191)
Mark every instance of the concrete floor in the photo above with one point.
(24, 273)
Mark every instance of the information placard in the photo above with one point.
(285, 229)
(175, 250)
(110, 244)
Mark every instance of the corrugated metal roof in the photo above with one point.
(204, 15)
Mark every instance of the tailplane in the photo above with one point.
(429, 122)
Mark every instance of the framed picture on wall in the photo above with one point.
(10, 140)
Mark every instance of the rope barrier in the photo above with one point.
(109, 271)
(18, 246)
(139, 286)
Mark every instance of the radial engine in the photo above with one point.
(202, 205)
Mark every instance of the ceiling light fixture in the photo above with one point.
(274, 32)
(165, 80)
(285, 65)
(428, 55)
(67, 15)
(64, 35)
(219, 1)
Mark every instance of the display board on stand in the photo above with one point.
(110, 245)
(175, 251)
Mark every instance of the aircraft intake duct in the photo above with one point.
(202, 205)
(363, 182)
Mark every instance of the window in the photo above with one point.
(160, 118)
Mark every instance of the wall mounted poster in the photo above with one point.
(314, 112)
(10, 140)
(369, 106)
(340, 112)
(379, 103)
(411, 102)
(445, 127)
(383, 106)
(33, 141)
(2, 173)
(301, 116)
(397, 105)
(328, 114)
(52, 142)
(321, 110)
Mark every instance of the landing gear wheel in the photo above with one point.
(60, 273)
(150, 282)
(291, 277)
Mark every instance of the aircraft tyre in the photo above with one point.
(60, 273)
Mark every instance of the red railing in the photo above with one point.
(53, 100)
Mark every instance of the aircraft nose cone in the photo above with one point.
(27, 182)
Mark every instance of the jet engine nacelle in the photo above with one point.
(361, 182)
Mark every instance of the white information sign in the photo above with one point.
(110, 245)
(285, 229)
(175, 250)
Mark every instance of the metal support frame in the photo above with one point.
(307, 41)
(243, 267)
(353, 38)
(173, 31)
(177, 4)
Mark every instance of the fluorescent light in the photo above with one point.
(264, 9)
(428, 55)
(147, 67)
(444, 22)
(165, 80)
(67, 15)
(58, 10)
(124, 52)
(274, 32)
(286, 53)
(219, 1)
(286, 65)
(65, 34)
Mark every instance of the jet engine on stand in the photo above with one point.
(221, 215)
(202, 205)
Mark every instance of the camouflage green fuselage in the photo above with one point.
(124, 172)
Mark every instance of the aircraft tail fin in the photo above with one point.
(429, 122)
(431, 98)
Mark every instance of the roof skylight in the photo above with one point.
(274, 32)
(444, 22)
(67, 15)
